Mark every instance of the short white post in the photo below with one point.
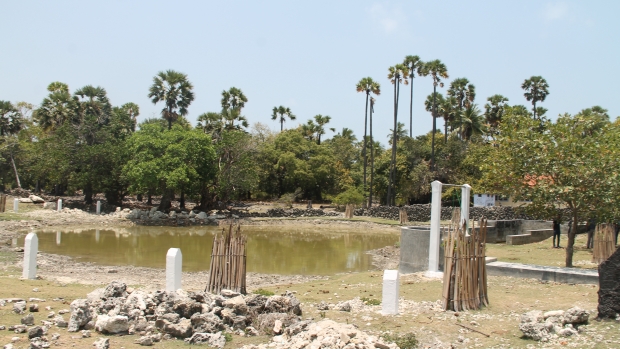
(59, 205)
(97, 235)
(465, 193)
(31, 247)
(98, 207)
(174, 261)
(389, 302)
(15, 205)
(58, 237)
(433, 249)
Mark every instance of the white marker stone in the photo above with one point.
(15, 205)
(59, 206)
(174, 261)
(433, 250)
(465, 193)
(97, 235)
(390, 292)
(31, 247)
(58, 237)
(98, 207)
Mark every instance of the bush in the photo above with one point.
(352, 195)
(370, 301)
(404, 341)
(263, 292)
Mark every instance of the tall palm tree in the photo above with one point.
(536, 90)
(415, 65)
(494, 112)
(94, 105)
(367, 85)
(57, 108)
(172, 88)
(282, 113)
(397, 74)
(10, 124)
(472, 122)
(400, 133)
(449, 111)
(232, 102)
(437, 71)
(321, 121)
(211, 123)
(464, 92)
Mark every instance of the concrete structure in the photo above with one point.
(31, 247)
(498, 231)
(174, 262)
(465, 196)
(59, 205)
(529, 237)
(16, 205)
(433, 249)
(97, 235)
(389, 303)
(484, 200)
(98, 206)
(540, 272)
(414, 247)
(58, 238)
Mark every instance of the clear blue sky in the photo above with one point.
(309, 55)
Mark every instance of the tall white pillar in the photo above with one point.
(389, 303)
(58, 237)
(59, 205)
(31, 247)
(15, 205)
(174, 261)
(433, 250)
(98, 206)
(465, 194)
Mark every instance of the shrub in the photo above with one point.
(263, 292)
(404, 341)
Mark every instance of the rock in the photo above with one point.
(19, 328)
(567, 331)
(55, 336)
(344, 306)
(115, 289)
(216, 340)
(173, 318)
(28, 320)
(251, 331)
(96, 295)
(112, 324)
(34, 332)
(102, 343)
(181, 330)
(237, 304)
(267, 322)
(33, 308)
(159, 215)
(8, 346)
(60, 322)
(145, 341)
(25, 200)
(277, 327)
(38, 343)
(173, 214)
(85, 334)
(283, 304)
(207, 322)
(202, 216)
(575, 316)
(554, 313)
(80, 315)
(36, 199)
(322, 306)
(19, 307)
(49, 205)
(187, 307)
(233, 320)
(229, 293)
(533, 327)
(609, 289)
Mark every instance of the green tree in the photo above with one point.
(465, 93)
(321, 121)
(414, 65)
(471, 122)
(10, 124)
(57, 108)
(282, 113)
(494, 112)
(437, 70)
(397, 74)
(233, 101)
(368, 86)
(536, 90)
(175, 91)
(572, 164)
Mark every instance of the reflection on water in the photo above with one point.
(277, 250)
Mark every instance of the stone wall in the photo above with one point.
(422, 213)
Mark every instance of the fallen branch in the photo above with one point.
(471, 329)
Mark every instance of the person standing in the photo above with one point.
(556, 232)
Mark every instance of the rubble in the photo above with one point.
(540, 326)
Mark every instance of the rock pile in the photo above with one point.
(195, 317)
(541, 326)
(609, 292)
(422, 213)
(296, 212)
(324, 334)
(153, 216)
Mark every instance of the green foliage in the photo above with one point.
(404, 341)
(263, 292)
(228, 336)
(370, 301)
(352, 195)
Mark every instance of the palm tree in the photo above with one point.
(372, 153)
(400, 133)
(396, 74)
(449, 111)
(472, 122)
(175, 91)
(57, 108)
(536, 90)
(282, 113)
(414, 64)
(10, 124)
(320, 122)
(437, 70)
(211, 123)
(94, 105)
(367, 85)
(232, 102)
(494, 112)
(464, 92)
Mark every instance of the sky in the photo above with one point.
(309, 55)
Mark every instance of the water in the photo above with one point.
(274, 250)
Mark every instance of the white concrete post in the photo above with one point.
(389, 303)
(15, 205)
(465, 193)
(98, 206)
(433, 250)
(31, 247)
(58, 237)
(59, 205)
(174, 261)
(97, 235)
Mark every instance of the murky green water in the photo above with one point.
(277, 250)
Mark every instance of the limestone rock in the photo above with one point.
(28, 320)
(344, 306)
(576, 316)
(19, 307)
(38, 343)
(532, 325)
(25, 200)
(283, 304)
(115, 289)
(145, 341)
(216, 340)
(237, 304)
(102, 343)
(33, 308)
(267, 322)
(202, 216)
(60, 321)
(181, 330)
(34, 332)
(96, 295)
(36, 199)
(207, 322)
(49, 205)
(112, 324)
(80, 315)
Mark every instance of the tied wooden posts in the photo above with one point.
(2, 202)
(228, 259)
(348, 212)
(402, 215)
(604, 242)
(465, 275)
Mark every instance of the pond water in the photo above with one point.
(270, 249)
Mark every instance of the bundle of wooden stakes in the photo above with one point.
(402, 215)
(465, 273)
(604, 242)
(348, 212)
(228, 259)
(2, 203)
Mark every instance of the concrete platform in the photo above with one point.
(529, 237)
(540, 272)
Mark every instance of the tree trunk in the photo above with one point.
(182, 200)
(19, 184)
(365, 131)
(139, 197)
(372, 160)
(388, 200)
(149, 199)
(411, 107)
(166, 200)
(88, 193)
(445, 127)
(571, 241)
(434, 127)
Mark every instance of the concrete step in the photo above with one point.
(541, 272)
(529, 237)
